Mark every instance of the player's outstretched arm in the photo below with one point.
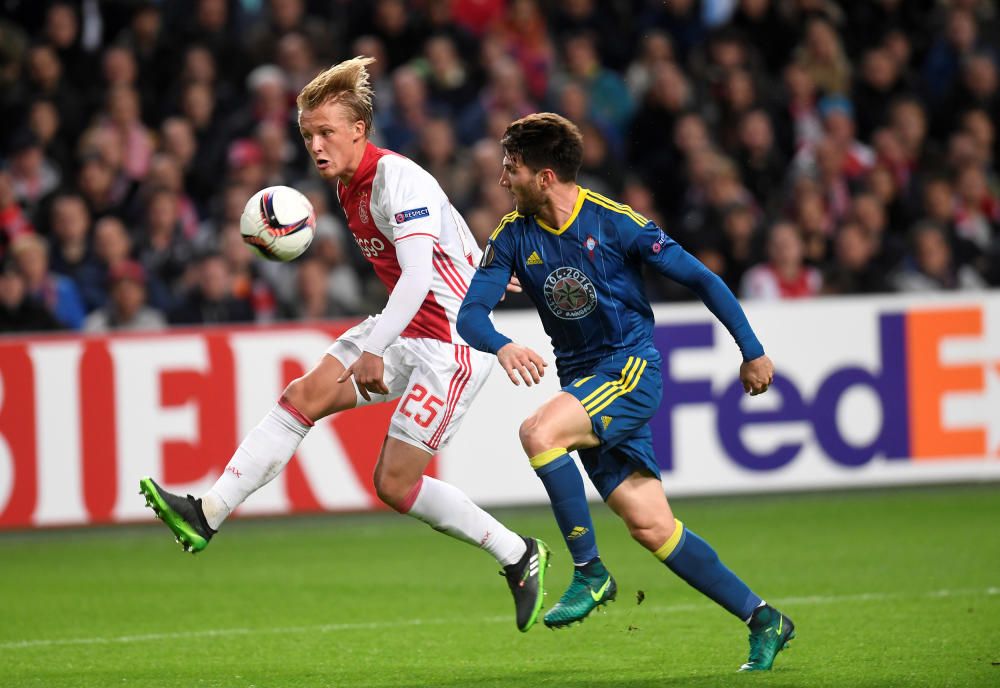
(757, 371)
(518, 359)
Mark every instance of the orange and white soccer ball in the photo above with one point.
(278, 223)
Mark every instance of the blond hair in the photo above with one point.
(346, 84)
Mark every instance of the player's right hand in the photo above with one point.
(528, 364)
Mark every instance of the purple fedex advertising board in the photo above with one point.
(867, 391)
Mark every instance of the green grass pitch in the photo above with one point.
(887, 588)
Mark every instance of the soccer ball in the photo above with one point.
(278, 223)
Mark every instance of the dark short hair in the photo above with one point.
(545, 140)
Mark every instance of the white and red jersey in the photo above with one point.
(390, 199)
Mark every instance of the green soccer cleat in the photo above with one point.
(526, 579)
(770, 631)
(584, 594)
(182, 515)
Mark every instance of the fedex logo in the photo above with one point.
(912, 384)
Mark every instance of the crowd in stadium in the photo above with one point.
(797, 147)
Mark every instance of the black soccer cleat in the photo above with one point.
(183, 515)
(526, 580)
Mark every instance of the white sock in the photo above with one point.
(446, 508)
(261, 456)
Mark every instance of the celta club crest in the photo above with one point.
(590, 243)
(569, 293)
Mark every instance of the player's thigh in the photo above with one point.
(640, 502)
(559, 422)
(318, 394)
(443, 381)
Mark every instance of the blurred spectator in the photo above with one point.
(949, 50)
(45, 123)
(929, 264)
(681, 19)
(211, 298)
(161, 246)
(525, 38)
(505, 93)
(13, 220)
(154, 54)
(401, 125)
(977, 217)
(122, 117)
(878, 83)
(70, 254)
(277, 154)
(797, 119)
(32, 175)
(248, 283)
(438, 153)
(297, 58)
(398, 29)
(311, 300)
(600, 170)
(212, 27)
(822, 56)
(62, 32)
(762, 165)
(126, 308)
(785, 274)
(19, 312)
(853, 270)
(271, 100)
(47, 80)
(57, 293)
(450, 84)
(655, 48)
(762, 22)
(610, 101)
(343, 284)
(737, 96)
(97, 184)
(283, 18)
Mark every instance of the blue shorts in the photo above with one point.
(620, 400)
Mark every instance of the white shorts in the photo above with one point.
(436, 380)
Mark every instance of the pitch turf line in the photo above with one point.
(377, 625)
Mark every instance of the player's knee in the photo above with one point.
(391, 489)
(651, 533)
(297, 394)
(535, 435)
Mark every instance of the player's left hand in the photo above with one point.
(367, 371)
(757, 375)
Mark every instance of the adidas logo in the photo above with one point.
(534, 259)
(606, 420)
(533, 565)
(577, 532)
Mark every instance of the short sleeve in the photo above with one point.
(410, 198)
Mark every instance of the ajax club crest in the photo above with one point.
(569, 293)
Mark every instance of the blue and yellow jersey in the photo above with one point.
(585, 279)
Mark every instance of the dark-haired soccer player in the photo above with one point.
(579, 256)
